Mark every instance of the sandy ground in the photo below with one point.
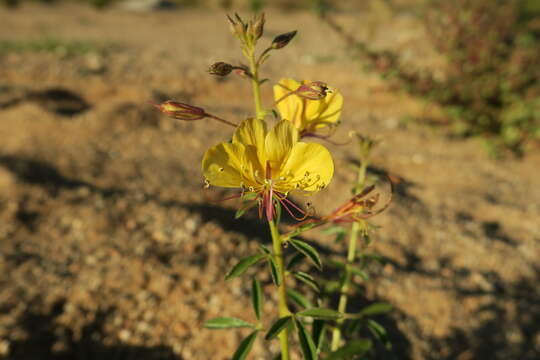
(111, 249)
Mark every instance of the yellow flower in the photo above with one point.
(308, 116)
(268, 163)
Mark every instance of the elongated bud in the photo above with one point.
(181, 111)
(258, 26)
(220, 69)
(282, 40)
(315, 90)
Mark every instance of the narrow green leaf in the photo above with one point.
(244, 208)
(299, 299)
(307, 250)
(276, 276)
(378, 258)
(339, 231)
(352, 327)
(340, 237)
(366, 238)
(334, 229)
(380, 332)
(243, 265)
(359, 272)
(295, 260)
(376, 309)
(249, 196)
(307, 279)
(352, 349)
(321, 313)
(318, 331)
(264, 249)
(332, 286)
(226, 323)
(277, 327)
(336, 263)
(256, 297)
(306, 342)
(245, 347)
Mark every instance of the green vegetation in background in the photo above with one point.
(52, 45)
(490, 86)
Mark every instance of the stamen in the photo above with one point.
(286, 201)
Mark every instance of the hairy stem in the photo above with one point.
(282, 290)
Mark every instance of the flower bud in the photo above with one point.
(237, 27)
(220, 69)
(258, 26)
(315, 90)
(181, 111)
(282, 40)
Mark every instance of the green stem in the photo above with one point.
(345, 284)
(351, 256)
(254, 69)
(282, 290)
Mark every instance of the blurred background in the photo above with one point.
(110, 248)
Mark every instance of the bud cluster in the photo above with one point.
(247, 32)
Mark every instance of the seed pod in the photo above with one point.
(282, 40)
(181, 111)
(220, 69)
(315, 90)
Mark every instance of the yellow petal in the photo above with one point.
(222, 165)
(278, 144)
(291, 107)
(324, 112)
(309, 167)
(251, 132)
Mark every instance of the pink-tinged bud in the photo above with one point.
(181, 111)
(282, 40)
(220, 69)
(242, 71)
(315, 90)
